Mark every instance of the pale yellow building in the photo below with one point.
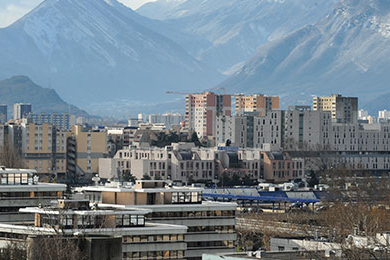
(343, 109)
(84, 148)
(256, 103)
(44, 148)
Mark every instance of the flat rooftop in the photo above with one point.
(205, 205)
(33, 187)
(148, 229)
(133, 189)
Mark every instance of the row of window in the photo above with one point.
(186, 197)
(16, 179)
(91, 221)
(167, 254)
(211, 244)
(192, 214)
(211, 229)
(153, 238)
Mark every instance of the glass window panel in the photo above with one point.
(141, 220)
(133, 220)
(126, 220)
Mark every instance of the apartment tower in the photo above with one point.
(256, 103)
(21, 110)
(343, 109)
(202, 110)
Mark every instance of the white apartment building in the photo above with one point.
(168, 119)
(384, 114)
(249, 130)
(183, 162)
(180, 162)
(362, 114)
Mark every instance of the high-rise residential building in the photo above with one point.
(63, 121)
(249, 130)
(44, 148)
(384, 114)
(343, 109)
(21, 110)
(362, 114)
(202, 110)
(84, 148)
(256, 103)
(3, 113)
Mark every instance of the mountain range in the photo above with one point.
(346, 52)
(110, 60)
(94, 51)
(20, 89)
(234, 29)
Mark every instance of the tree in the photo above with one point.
(10, 157)
(146, 177)
(127, 176)
(14, 251)
(313, 179)
(194, 139)
(57, 247)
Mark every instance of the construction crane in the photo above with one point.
(207, 90)
(178, 92)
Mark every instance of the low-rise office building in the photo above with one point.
(19, 188)
(211, 225)
(140, 239)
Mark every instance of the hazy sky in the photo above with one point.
(11, 10)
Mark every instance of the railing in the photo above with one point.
(28, 198)
(262, 225)
(191, 218)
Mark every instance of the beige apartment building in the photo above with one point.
(55, 153)
(281, 167)
(258, 103)
(84, 149)
(44, 148)
(343, 109)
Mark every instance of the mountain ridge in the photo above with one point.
(234, 29)
(20, 89)
(93, 50)
(344, 52)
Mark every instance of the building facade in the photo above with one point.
(210, 225)
(21, 110)
(3, 114)
(19, 188)
(343, 109)
(61, 121)
(258, 103)
(140, 239)
(202, 110)
(168, 119)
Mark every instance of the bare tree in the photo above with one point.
(56, 247)
(10, 157)
(14, 251)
